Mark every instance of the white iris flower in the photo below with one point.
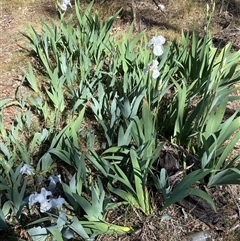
(154, 68)
(64, 4)
(157, 43)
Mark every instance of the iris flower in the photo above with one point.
(53, 181)
(157, 43)
(154, 68)
(45, 201)
(58, 202)
(45, 206)
(41, 198)
(27, 169)
(64, 4)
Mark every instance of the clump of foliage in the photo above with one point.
(125, 87)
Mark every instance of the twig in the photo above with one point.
(221, 7)
(158, 6)
(134, 14)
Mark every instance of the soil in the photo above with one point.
(14, 56)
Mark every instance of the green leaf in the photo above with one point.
(68, 191)
(102, 165)
(191, 179)
(215, 117)
(38, 233)
(100, 227)
(62, 154)
(141, 188)
(175, 197)
(45, 162)
(124, 138)
(93, 212)
(225, 177)
(127, 196)
(62, 220)
(5, 150)
(228, 128)
(3, 223)
(6, 208)
(38, 221)
(121, 176)
(147, 122)
(183, 189)
(203, 195)
(31, 79)
(77, 227)
(56, 233)
(227, 150)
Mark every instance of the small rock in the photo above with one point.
(199, 236)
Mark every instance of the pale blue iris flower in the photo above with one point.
(41, 198)
(58, 202)
(53, 181)
(157, 43)
(46, 203)
(27, 169)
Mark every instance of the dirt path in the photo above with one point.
(15, 16)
